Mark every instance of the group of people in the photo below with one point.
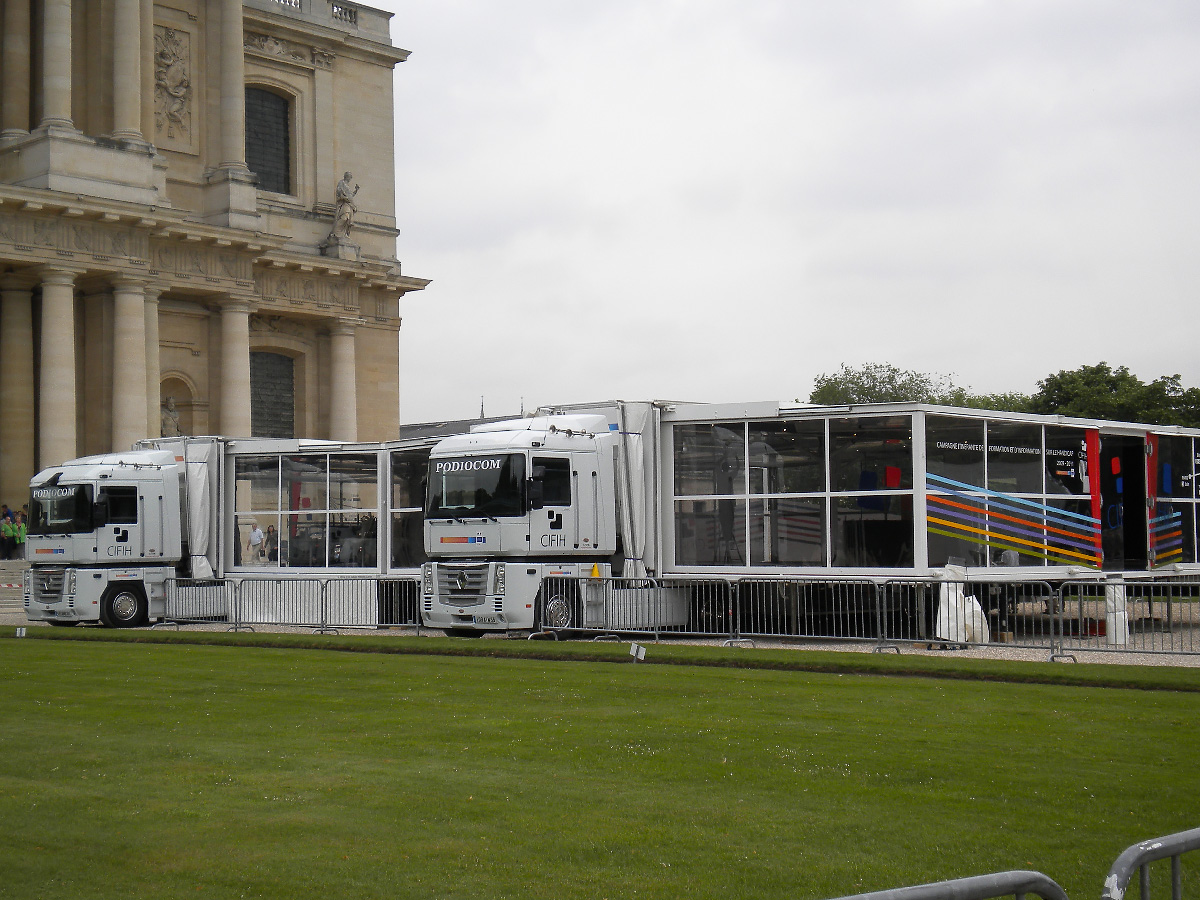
(12, 533)
(262, 547)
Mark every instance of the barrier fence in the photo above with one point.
(324, 604)
(1061, 617)
(1135, 859)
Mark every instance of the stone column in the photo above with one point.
(343, 402)
(56, 64)
(233, 87)
(17, 426)
(56, 413)
(129, 363)
(153, 364)
(147, 35)
(235, 368)
(127, 70)
(15, 89)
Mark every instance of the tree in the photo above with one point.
(1101, 392)
(884, 383)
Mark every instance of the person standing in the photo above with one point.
(254, 545)
(19, 536)
(7, 537)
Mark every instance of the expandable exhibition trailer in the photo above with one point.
(502, 525)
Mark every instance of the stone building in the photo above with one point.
(173, 250)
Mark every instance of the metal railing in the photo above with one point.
(323, 604)
(1018, 884)
(1060, 617)
(1138, 858)
(976, 887)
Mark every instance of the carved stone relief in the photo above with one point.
(305, 289)
(47, 236)
(173, 88)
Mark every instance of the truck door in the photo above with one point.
(119, 540)
(552, 528)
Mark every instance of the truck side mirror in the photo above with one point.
(536, 494)
(99, 513)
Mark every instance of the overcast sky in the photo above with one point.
(718, 201)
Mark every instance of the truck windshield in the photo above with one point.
(61, 509)
(473, 486)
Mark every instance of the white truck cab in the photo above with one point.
(510, 507)
(104, 535)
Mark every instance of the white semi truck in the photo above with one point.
(106, 532)
(523, 516)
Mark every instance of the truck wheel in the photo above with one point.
(123, 606)
(560, 607)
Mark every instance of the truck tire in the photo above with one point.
(124, 606)
(559, 605)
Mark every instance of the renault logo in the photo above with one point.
(460, 581)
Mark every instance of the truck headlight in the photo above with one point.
(70, 585)
(427, 579)
(500, 567)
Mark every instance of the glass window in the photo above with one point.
(1172, 538)
(256, 483)
(710, 532)
(787, 457)
(787, 531)
(305, 481)
(122, 504)
(353, 537)
(956, 527)
(61, 509)
(555, 475)
(871, 454)
(1174, 467)
(954, 449)
(306, 534)
(1014, 457)
(710, 459)
(353, 480)
(1071, 533)
(872, 531)
(489, 486)
(1066, 461)
(410, 469)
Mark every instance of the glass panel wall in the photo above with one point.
(1172, 527)
(759, 493)
(1018, 518)
(306, 509)
(409, 474)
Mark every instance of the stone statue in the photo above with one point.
(344, 212)
(170, 419)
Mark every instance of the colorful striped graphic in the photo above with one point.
(1004, 522)
(1166, 539)
(40, 550)
(464, 540)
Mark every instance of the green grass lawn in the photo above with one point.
(178, 770)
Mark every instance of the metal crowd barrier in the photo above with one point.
(1060, 617)
(1135, 859)
(324, 604)
(1138, 858)
(976, 887)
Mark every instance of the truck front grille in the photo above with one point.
(48, 584)
(462, 585)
